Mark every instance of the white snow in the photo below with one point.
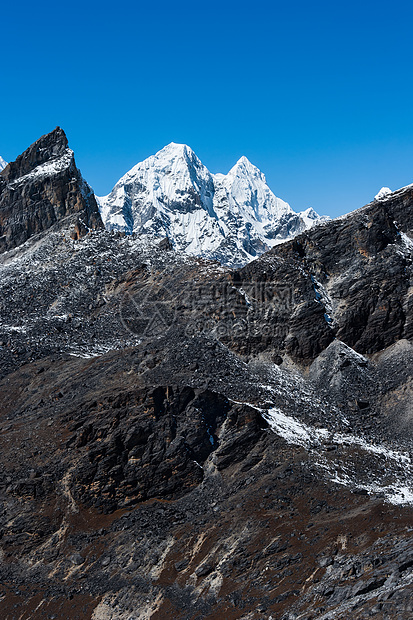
(289, 428)
(383, 193)
(51, 167)
(96, 351)
(292, 430)
(397, 464)
(407, 242)
(3, 163)
(13, 328)
(311, 218)
(233, 217)
(246, 190)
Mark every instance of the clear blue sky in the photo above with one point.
(319, 95)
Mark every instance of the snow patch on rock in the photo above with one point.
(391, 464)
(383, 193)
(49, 168)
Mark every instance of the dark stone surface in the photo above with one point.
(364, 264)
(32, 201)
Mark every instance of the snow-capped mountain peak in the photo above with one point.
(249, 195)
(245, 172)
(232, 218)
(173, 159)
(173, 156)
(3, 163)
(310, 217)
(244, 166)
(154, 191)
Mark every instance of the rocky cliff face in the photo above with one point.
(42, 187)
(360, 266)
(180, 439)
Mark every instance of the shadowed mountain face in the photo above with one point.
(42, 187)
(184, 440)
(359, 267)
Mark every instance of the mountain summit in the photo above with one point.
(41, 188)
(233, 218)
(3, 163)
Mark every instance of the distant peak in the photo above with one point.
(309, 212)
(175, 151)
(244, 164)
(176, 147)
(385, 191)
(3, 163)
(244, 161)
(244, 167)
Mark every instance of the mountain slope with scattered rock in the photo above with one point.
(189, 440)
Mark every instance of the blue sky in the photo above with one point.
(319, 95)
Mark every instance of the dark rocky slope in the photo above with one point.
(179, 440)
(42, 187)
(352, 275)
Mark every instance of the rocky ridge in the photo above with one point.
(42, 187)
(181, 439)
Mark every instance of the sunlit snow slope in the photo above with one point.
(232, 218)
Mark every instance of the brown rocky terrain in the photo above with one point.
(182, 440)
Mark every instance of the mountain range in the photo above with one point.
(184, 438)
(232, 218)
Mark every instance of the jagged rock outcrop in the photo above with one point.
(42, 187)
